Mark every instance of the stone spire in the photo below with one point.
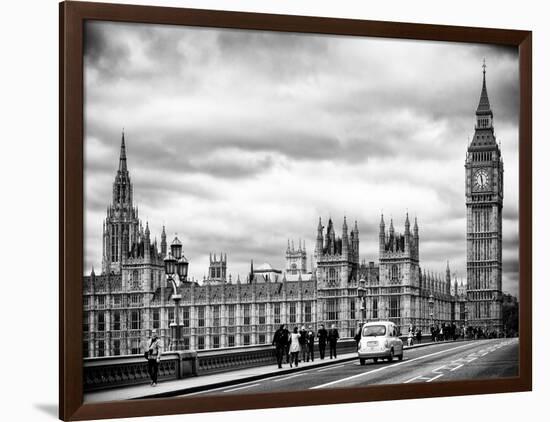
(163, 244)
(484, 107)
(122, 166)
(345, 244)
(382, 235)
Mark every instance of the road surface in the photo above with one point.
(479, 359)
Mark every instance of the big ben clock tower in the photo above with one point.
(484, 196)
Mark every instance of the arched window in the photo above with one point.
(394, 273)
(135, 279)
(332, 275)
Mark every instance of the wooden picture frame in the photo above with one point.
(72, 16)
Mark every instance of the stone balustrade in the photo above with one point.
(119, 371)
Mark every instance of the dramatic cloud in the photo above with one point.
(238, 140)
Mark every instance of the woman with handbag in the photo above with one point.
(153, 357)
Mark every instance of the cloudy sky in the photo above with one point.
(239, 140)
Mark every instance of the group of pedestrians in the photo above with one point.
(415, 334)
(301, 344)
(444, 332)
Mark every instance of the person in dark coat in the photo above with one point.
(280, 341)
(419, 336)
(153, 357)
(303, 343)
(357, 336)
(286, 351)
(333, 337)
(310, 344)
(322, 335)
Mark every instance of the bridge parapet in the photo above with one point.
(120, 371)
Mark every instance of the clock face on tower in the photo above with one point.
(481, 180)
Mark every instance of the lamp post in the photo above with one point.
(431, 305)
(362, 294)
(176, 265)
(466, 321)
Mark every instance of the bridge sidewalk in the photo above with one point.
(211, 381)
(206, 382)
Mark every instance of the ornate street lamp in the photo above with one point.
(176, 265)
(431, 304)
(362, 294)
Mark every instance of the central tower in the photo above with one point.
(484, 198)
(121, 226)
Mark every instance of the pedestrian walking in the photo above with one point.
(410, 338)
(310, 344)
(357, 336)
(280, 340)
(322, 335)
(303, 343)
(286, 352)
(419, 336)
(333, 337)
(153, 357)
(294, 347)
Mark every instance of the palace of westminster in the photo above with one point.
(132, 296)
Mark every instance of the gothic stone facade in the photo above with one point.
(131, 295)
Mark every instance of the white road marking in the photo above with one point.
(291, 376)
(332, 367)
(416, 378)
(389, 366)
(434, 378)
(217, 389)
(241, 388)
(459, 363)
(437, 369)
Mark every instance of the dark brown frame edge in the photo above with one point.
(71, 19)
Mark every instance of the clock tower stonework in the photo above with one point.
(484, 198)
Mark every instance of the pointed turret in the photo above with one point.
(345, 243)
(392, 231)
(319, 241)
(407, 235)
(251, 275)
(448, 279)
(456, 286)
(122, 165)
(382, 235)
(355, 243)
(163, 244)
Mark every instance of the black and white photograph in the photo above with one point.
(275, 211)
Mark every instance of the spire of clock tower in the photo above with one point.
(484, 131)
(484, 106)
